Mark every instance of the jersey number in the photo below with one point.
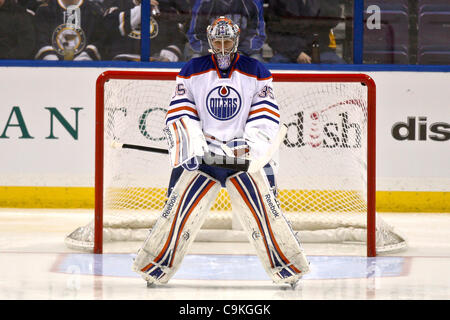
(180, 90)
(266, 92)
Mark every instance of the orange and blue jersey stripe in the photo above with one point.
(181, 107)
(264, 110)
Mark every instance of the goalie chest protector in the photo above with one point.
(225, 103)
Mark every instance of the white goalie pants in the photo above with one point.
(192, 193)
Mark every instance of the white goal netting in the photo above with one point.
(321, 179)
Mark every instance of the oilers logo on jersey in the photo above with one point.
(226, 106)
(223, 103)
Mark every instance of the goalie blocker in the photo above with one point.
(253, 198)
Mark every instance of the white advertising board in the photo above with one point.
(47, 120)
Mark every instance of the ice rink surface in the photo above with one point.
(35, 264)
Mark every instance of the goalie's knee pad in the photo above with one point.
(183, 215)
(268, 230)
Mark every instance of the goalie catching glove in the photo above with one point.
(186, 142)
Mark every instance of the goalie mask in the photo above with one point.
(223, 39)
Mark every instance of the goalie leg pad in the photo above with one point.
(184, 213)
(267, 228)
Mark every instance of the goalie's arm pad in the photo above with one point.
(263, 120)
(182, 106)
(186, 142)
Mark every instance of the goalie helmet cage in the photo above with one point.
(367, 108)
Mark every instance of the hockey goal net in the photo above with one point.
(326, 176)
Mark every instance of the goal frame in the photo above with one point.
(104, 77)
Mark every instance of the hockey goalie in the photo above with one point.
(223, 104)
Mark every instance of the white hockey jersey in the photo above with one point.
(227, 105)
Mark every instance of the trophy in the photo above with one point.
(69, 39)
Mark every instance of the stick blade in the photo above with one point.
(116, 144)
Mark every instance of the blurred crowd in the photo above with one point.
(277, 31)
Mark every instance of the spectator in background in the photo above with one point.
(295, 27)
(17, 37)
(69, 30)
(167, 29)
(31, 5)
(247, 14)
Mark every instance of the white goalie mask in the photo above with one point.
(223, 39)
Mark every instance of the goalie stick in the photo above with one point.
(238, 164)
(210, 159)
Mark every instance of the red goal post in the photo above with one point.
(363, 79)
